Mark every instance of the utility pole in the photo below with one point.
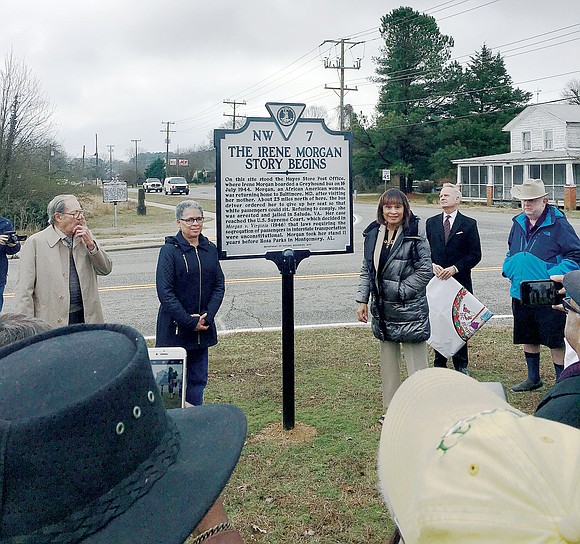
(167, 140)
(234, 104)
(83, 164)
(110, 146)
(338, 64)
(96, 159)
(136, 176)
(141, 208)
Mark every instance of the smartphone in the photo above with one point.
(169, 370)
(14, 237)
(541, 293)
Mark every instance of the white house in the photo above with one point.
(545, 144)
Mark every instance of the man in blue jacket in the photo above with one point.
(541, 243)
(9, 245)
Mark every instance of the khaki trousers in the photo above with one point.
(415, 355)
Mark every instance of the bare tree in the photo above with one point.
(571, 91)
(25, 114)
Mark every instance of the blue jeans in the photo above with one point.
(197, 370)
(2, 287)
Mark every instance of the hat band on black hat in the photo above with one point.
(80, 525)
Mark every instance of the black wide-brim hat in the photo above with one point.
(88, 451)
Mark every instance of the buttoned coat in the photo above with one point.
(462, 249)
(42, 289)
(189, 281)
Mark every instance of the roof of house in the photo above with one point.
(568, 113)
(528, 156)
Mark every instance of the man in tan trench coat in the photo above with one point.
(57, 279)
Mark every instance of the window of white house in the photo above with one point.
(526, 141)
(573, 138)
(548, 140)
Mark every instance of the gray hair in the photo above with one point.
(184, 205)
(14, 327)
(455, 189)
(57, 205)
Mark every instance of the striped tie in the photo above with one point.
(446, 227)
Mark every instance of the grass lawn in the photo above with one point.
(100, 216)
(318, 482)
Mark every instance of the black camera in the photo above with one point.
(14, 238)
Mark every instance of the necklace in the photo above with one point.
(390, 238)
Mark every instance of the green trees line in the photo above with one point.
(431, 109)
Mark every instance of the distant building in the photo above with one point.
(545, 144)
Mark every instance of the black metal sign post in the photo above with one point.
(287, 262)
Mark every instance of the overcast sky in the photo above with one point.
(120, 68)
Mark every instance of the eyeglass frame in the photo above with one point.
(192, 220)
(77, 215)
(568, 307)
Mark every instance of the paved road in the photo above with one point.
(324, 285)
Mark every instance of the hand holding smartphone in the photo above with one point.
(169, 369)
(541, 293)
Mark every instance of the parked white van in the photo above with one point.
(176, 185)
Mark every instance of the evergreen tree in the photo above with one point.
(484, 103)
(432, 110)
(410, 71)
(488, 86)
(410, 68)
(156, 169)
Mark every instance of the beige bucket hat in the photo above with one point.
(529, 189)
(458, 464)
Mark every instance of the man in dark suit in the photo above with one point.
(455, 250)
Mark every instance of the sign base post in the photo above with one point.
(287, 262)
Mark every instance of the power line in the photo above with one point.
(204, 118)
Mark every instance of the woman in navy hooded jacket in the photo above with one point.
(7, 247)
(190, 286)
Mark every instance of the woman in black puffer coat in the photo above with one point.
(395, 272)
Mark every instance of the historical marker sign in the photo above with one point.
(115, 191)
(283, 182)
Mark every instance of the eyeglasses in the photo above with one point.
(569, 307)
(77, 214)
(192, 220)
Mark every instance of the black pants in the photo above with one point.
(460, 359)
